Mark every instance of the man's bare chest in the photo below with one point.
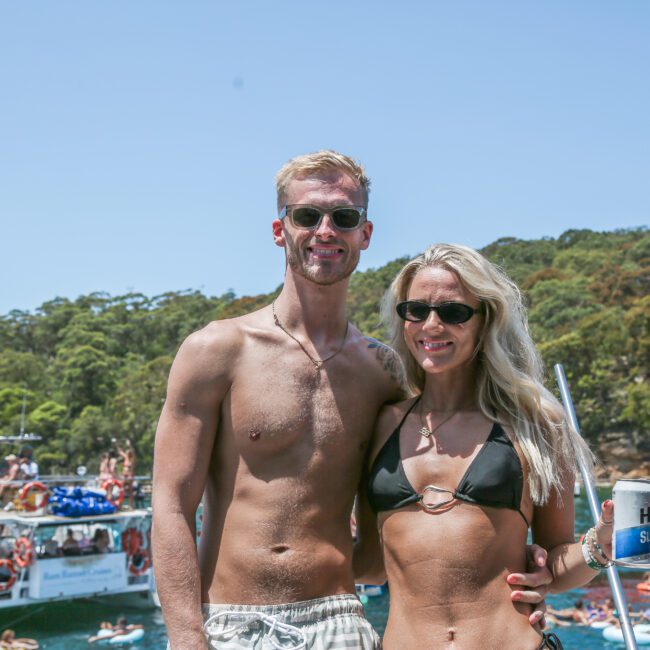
(287, 402)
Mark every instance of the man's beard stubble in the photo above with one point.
(316, 275)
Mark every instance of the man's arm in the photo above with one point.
(367, 557)
(199, 379)
(393, 369)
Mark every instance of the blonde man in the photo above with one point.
(268, 418)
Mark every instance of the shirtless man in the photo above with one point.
(13, 472)
(268, 418)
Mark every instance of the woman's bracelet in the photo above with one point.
(590, 557)
(598, 548)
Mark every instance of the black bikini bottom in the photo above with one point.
(550, 642)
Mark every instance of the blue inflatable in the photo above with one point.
(79, 502)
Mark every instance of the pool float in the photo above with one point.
(615, 634)
(599, 625)
(134, 636)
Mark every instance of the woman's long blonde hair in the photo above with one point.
(510, 370)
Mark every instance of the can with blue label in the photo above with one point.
(631, 535)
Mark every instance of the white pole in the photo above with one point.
(594, 506)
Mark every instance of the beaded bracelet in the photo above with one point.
(587, 553)
(590, 561)
(598, 548)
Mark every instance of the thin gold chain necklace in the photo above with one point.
(318, 363)
(424, 429)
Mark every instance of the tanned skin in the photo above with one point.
(449, 568)
(276, 446)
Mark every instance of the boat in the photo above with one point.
(67, 537)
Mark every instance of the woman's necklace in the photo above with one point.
(424, 429)
(318, 363)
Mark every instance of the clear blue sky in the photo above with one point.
(139, 140)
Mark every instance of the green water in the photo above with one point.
(67, 626)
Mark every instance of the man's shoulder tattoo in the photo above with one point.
(390, 361)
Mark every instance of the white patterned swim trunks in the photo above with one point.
(331, 623)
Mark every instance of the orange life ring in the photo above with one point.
(23, 552)
(33, 487)
(643, 586)
(132, 541)
(109, 486)
(138, 568)
(6, 586)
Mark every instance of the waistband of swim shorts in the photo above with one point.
(304, 611)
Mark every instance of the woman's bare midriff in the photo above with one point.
(447, 574)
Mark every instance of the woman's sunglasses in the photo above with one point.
(309, 217)
(452, 313)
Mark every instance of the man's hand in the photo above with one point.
(534, 583)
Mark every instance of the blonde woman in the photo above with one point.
(481, 453)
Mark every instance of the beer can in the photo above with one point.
(631, 534)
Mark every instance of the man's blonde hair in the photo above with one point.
(510, 377)
(325, 160)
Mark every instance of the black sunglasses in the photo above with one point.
(452, 313)
(309, 217)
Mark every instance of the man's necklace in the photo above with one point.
(424, 429)
(318, 363)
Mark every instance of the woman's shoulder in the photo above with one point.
(389, 418)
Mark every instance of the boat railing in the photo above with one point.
(30, 496)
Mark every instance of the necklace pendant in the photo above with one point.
(425, 432)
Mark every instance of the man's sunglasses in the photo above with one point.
(452, 313)
(309, 217)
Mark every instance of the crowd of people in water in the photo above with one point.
(107, 630)
(596, 613)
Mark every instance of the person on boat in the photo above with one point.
(12, 474)
(70, 544)
(121, 628)
(107, 466)
(100, 541)
(128, 468)
(268, 417)
(28, 466)
(51, 548)
(8, 641)
(459, 472)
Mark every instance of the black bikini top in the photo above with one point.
(494, 478)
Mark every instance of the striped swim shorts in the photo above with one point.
(332, 623)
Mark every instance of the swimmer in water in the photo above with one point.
(121, 628)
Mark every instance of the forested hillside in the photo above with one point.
(95, 367)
